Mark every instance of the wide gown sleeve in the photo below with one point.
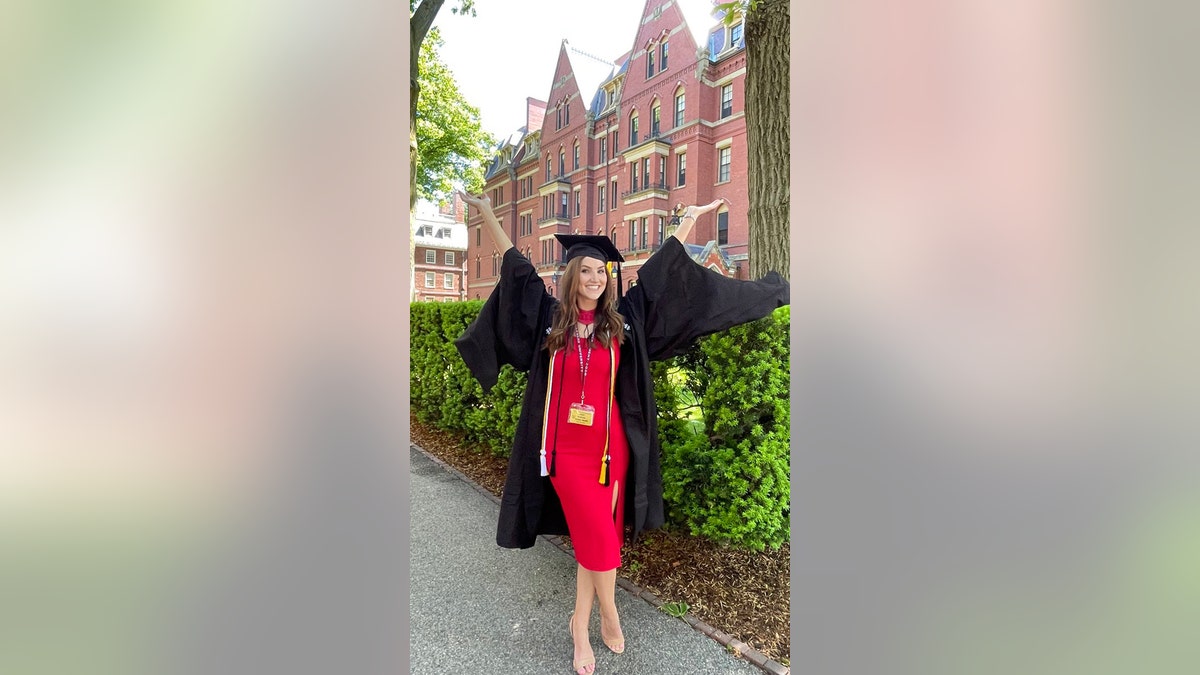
(508, 328)
(680, 301)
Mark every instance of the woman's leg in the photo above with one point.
(610, 621)
(585, 590)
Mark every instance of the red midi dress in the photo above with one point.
(576, 453)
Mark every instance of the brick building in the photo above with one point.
(617, 144)
(441, 246)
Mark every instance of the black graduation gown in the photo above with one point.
(675, 302)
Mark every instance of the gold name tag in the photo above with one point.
(581, 413)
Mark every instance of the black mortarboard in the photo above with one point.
(595, 246)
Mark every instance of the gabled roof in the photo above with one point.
(590, 71)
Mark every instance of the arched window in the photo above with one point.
(547, 167)
(562, 161)
(649, 62)
(633, 129)
(679, 107)
(655, 118)
(576, 154)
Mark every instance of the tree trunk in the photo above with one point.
(768, 135)
(418, 27)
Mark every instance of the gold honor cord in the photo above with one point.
(612, 389)
(546, 412)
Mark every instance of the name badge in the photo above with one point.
(582, 414)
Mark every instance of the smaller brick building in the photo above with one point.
(441, 249)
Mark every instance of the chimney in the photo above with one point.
(460, 209)
(535, 113)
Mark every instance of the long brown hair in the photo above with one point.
(610, 325)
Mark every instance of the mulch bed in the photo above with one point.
(743, 593)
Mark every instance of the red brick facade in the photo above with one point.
(536, 168)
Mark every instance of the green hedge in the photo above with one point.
(725, 477)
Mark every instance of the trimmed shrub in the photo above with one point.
(731, 482)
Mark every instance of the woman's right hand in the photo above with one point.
(478, 202)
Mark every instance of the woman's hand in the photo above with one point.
(483, 204)
(696, 211)
(478, 202)
(688, 216)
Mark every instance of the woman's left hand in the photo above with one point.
(695, 211)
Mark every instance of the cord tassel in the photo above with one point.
(604, 471)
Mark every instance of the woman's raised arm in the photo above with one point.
(688, 219)
(484, 204)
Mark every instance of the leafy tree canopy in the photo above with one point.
(452, 147)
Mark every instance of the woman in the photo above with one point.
(585, 455)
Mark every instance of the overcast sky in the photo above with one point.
(509, 49)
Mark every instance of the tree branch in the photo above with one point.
(422, 20)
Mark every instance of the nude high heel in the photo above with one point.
(587, 666)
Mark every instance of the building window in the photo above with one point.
(633, 130)
(655, 117)
(501, 195)
(600, 198)
(566, 114)
(616, 141)
(633, 174)
(495, 264)
(723, 167)
(661, 233)
(723, 228)
(562, 162)
(430, 257)
(662, 62)
(649, 62)
(547, 168)
(563, 206)
(679, 107)
(578, 201)
(632, 225)
(478, 268)
(449, 258)
(662, 172)
(557, 117)
(681, 169)
(614, 236)
(576, 154)
(726, 101)
(645, 173)
(604, 149)
(447, 280)
(735, 36)
(612, 201)
(645, 234)
(429, 280)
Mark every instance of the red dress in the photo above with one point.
(576, 453)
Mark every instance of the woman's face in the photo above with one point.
(593, 279)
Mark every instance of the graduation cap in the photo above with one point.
(595, 246)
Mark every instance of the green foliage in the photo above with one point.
(730, 13)
(442, 390)
(452, 147)
(731, 483)
(675, 609)
(726, 479)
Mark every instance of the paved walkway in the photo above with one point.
(479, 608)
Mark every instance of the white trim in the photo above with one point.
(645, 214)
(723, 143)
(727, 78)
